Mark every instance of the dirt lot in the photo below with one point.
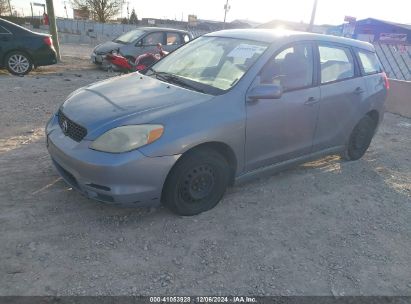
(325, 228)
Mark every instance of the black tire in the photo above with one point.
(18, 63)
(360, 138)
(197, 182)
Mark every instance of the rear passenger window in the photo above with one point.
(369, 62)
(336, 63)
(173, 39)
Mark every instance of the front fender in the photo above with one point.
(217, 120)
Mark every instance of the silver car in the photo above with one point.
(225, 107)
(140, 41)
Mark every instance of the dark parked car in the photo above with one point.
(140, 41)
(21, 49)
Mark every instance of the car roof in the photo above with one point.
(156, 29)
(277, 35)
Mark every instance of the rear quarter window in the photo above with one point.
(186, 38)
(369, 62)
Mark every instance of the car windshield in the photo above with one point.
(129, 37)
(212, 64)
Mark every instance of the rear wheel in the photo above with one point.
(18, 63)
(360, 139)
(197, 182)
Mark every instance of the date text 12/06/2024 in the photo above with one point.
(220, 299)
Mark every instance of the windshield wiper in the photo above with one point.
(171, 78)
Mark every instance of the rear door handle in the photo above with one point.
(358, 91)
(310, 101)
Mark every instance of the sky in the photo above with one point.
(328, 12)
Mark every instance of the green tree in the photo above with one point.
(133, 17)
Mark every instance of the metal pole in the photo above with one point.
(128, 14)
(11, 12)
(225, 12)
(32, 14)
(65, 8)
(311, 26)
(53, 27)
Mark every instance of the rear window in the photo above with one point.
(369, 62)
(13, 28)
(3, 30)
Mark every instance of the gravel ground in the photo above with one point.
(324, 228)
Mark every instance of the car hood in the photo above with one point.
(129, 99)
(106, 47)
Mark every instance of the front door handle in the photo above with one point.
(310, 101)
(358, 91)
(252, 101)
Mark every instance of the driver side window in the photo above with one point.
(292, 68)
(153, 39)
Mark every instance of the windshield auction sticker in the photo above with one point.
(246, 51)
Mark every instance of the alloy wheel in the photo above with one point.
(19, 63)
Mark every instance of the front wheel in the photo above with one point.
(360, 138)
(197, 182)
(18, 63)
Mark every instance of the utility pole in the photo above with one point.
(11, 12)
(53, 27)
(65, 8)
(32, 14)
(311, 26)
(226, 9)
(128, 14)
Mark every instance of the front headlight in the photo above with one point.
(127, 138)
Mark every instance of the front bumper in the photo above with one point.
(127, 178)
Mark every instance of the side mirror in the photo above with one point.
(139, 43)
(266, 91)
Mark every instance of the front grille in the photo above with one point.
(70, 128)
